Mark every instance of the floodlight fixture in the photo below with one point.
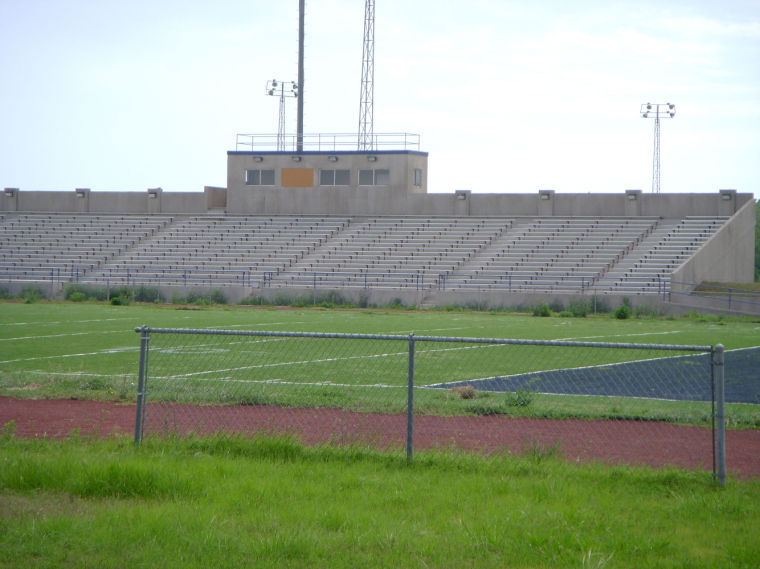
(657, 111)
(281, 89)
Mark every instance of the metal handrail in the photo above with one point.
(326, 142)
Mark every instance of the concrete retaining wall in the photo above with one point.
(473, 300)
(727, 257)
(375, 202)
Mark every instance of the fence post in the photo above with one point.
(720, 392)
(410, 403)
(141, 383)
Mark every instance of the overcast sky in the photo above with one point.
(508, 96)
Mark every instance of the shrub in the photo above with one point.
(281, 299)
(193, 297)
(556, 305)
(217, 297)
(520, 398)
(125, 293)
(77, 296)
(622, 312)
(464, 392)
(565, 314)
(89, 292)
(147, 294)
(31, 294)
(332, 298)
(644, 311)
(579, 308)
(117, 301)
(542, 310)
(599, 304)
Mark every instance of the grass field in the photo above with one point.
(91, 351)
(272, 503)
(264, 502)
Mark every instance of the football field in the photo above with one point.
(92, 351)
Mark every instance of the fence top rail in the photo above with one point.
(412, 336)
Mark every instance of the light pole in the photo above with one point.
(281, 89)
(657, 111)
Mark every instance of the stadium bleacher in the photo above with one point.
(629, 255)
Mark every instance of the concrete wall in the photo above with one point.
(153, 201)
(727, 257)
(313, 198)
(392, 200)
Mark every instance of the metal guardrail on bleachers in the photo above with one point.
(409, 280)
(708, 296)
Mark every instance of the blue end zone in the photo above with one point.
(680, 378)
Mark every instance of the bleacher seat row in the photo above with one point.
(630, 255)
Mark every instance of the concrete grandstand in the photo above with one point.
(363, 223)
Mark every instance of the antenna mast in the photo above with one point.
(299, 118)
(366, 102)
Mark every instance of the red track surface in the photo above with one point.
(631, 442)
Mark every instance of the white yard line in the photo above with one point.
(327, 360)
(255, 325)
(417, 331)
(295, 383)
(99, 332)
(617, 336)
(68, 322)
(64, 356)
(79, 374)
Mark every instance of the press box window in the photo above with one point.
(259, 177)
(334, 177)
(417, 177)
(380, 177)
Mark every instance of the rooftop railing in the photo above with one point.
(326, 142)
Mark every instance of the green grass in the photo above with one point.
(272, 503)
(87, 350)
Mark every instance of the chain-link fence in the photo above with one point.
(653, 405)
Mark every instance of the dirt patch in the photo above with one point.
(648, 443)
